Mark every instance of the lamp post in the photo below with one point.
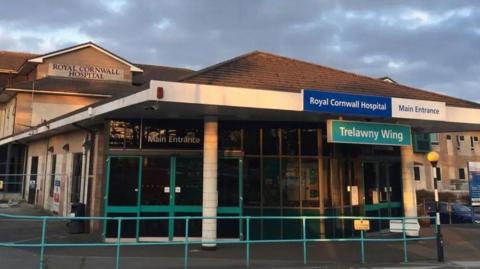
(433, 157)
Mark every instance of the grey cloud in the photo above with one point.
(439, 56)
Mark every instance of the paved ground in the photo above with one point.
(462, 250)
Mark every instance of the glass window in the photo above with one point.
(291, 182)
(53, 168)
(290, 141)
(416, 172)
(270, 141)
(229, 137)
(155, 181)
(434, 139)
(189, 181)
(327, 148)
(117, 134)
(251, 181)
(461, 173)
(271, 182)
(309, 144)
(123, 181)
(32, 184)
(76, 178)
(346, 173)
(228, 182)
(251, 140)
(310, 183)
(438, 173)
(124, 134)
(395, 178)
(132, 134)
(172, 135)
(325, 181)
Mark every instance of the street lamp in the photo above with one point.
(433, 157)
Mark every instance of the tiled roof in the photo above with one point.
(10, 60)
(268, 71)
(157, 72)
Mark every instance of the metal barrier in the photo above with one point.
(187, 242)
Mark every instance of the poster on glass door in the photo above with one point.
(474, 182)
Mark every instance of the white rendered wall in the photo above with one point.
(408, 183)
(210, 193)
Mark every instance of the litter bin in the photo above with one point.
(77, 226)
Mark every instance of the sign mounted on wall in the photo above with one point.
(474, 182)
(348, 104)
(418, 109)
(374, 106)
(85, 72)
(355, 132)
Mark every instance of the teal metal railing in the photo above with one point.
(187, 240)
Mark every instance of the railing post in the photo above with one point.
(248, 241)
(119, 235)
(185, 258)
(304, 236)
(405, 257)
(42, 244)
(362, 244)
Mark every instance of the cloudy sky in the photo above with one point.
(433, 45)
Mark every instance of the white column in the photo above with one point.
(210, 193)
(408, 183)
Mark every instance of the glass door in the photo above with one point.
(168, 186)
(122, 194)
(230, 197)
(187, 193)
(382, 181)
(155, 196)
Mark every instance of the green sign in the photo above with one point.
(355, 132)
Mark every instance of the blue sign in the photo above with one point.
(474, 171)
(341, 103)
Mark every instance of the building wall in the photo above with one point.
(46, 107)
(86, 56)
(7, 117)
(455, 153)
(64, 164)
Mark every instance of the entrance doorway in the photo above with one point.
(166, 186)
(383, 188)
(32, 183)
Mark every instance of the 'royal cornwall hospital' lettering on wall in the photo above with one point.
(340, 103)
(355, 132)
(85, 72)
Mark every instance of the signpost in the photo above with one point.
(355, 132)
